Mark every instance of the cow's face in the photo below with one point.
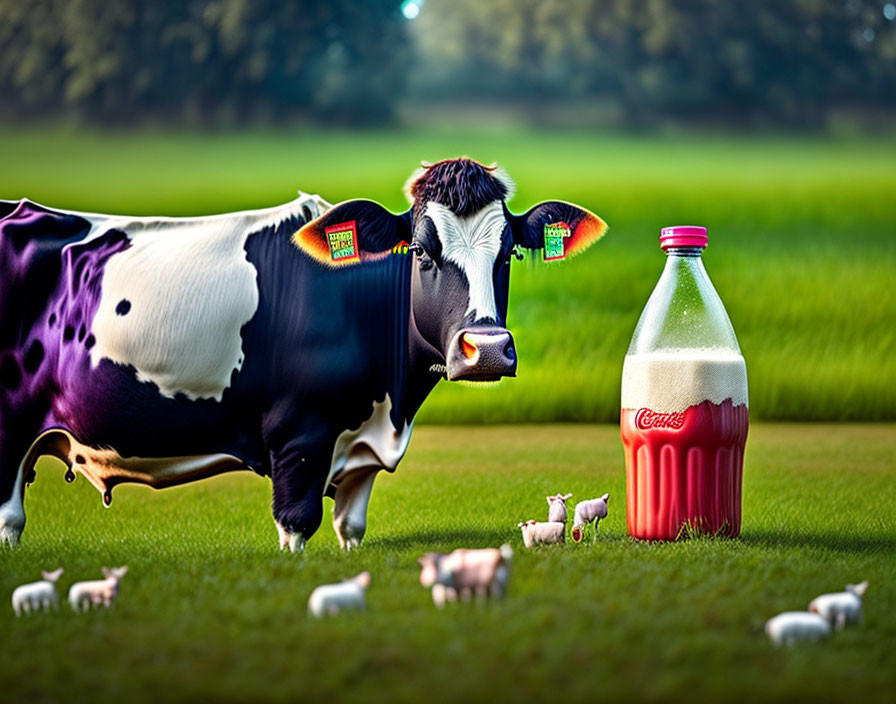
(463, 244)
(462, 238)
(428, 568)
(460, 286)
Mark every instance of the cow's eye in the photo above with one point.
(423, 258)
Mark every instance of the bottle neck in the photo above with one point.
(689, 252)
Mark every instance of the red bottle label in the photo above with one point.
(645, 419)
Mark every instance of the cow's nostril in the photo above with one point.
(469, 349)
(510, 352)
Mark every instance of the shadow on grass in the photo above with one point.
(837, 542)
(425, 540)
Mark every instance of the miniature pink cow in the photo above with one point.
(557, 507)
(535, 533)
(465, 573)
(82, 595)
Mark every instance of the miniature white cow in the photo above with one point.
(592, 510)
(333, 598)
(82, 595)
(31, 597)
(535, 533)
(793, 626)
(465, 572)
(557, 507)
(841, 608)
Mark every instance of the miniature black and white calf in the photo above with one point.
(37, 595)
(841, 608)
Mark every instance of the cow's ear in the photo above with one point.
(352, 232)
(560, 229)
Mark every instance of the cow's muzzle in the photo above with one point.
(481, 354)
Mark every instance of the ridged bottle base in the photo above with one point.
(684, 471)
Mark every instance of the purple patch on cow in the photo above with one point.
(43, 252)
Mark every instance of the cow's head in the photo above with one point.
(463, 239)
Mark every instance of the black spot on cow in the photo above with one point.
(82, 331)
(68, 334)
(123, 307)
(10, 375)
(34, 356)
(52, 320)
(79, 459)
(90, 341)
(86, 276)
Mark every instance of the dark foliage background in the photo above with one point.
(339, 62)
(201, 61)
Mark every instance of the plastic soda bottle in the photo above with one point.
(684, 403)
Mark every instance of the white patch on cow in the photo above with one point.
(350, 508)
(375, 444)
(191, 289)
(472, 243)
(12, 513)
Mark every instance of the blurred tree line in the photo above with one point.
(781, 62)
(352, 62)
(201, 61)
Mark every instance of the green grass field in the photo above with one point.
(211, 611)
(802, 243)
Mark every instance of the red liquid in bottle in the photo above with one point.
(684, 470)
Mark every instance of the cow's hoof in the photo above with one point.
(349, 535)
(294, 541)
(10, 531)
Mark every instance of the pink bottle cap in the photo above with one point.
(683, 236)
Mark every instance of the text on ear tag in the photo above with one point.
(343, 241)
(555, 234)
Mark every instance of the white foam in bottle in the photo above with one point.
(671, 381)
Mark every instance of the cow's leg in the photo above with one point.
(20, 448)
(13, 475)
(350, 510)
(298, 476)
(438, 595)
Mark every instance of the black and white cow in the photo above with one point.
(297, 341)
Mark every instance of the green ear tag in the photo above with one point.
(343, 241)
(554, 245)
